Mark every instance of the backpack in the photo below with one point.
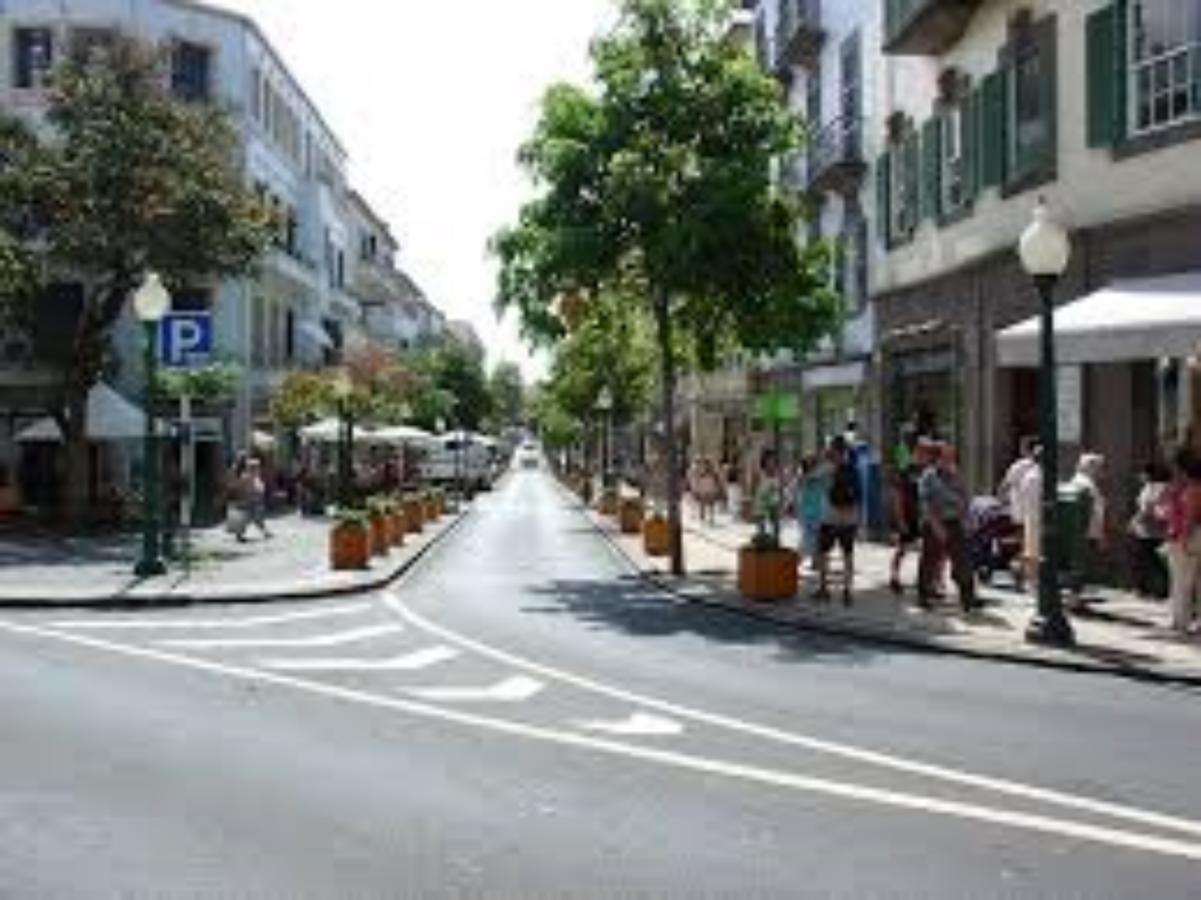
(844, 487)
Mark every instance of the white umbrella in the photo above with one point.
(327, 431)
(110, 418)
(404, 434)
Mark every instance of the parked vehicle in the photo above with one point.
(459, 457)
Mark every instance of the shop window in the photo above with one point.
(33, 51)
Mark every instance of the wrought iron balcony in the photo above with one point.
(925, 27)
(835, 159)
(799, 35)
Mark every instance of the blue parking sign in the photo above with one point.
(186, 339)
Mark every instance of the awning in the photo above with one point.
(315, 333)
(850, 374)
(1128, 320)
(110, 418)
(399, 435)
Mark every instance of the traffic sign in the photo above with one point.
(187, 339)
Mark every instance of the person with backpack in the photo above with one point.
(944, 504)
(840, 525)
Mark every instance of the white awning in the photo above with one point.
(110, 418)
(850, 374)
(1128, 320)
(315, 333)
(398, 435)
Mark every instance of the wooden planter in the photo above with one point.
(608, 503)
(656, 536)
(429, 510)
(767, 574)
(396, 523)
(413, 516)
(349, 546)
(381, 540)
(630, 516)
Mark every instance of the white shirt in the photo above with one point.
(1027, 495)
(1096, 523)
(1011, 484)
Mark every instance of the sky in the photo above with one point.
(432, 98)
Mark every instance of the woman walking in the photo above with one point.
(1148, 530)
(809, 504)
(1181, 507)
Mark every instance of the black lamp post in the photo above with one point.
(150, 303)
(1045, 251)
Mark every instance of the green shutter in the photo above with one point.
(993, 126)
(884, 197)
(913, 180)
(970, 142)
(1102, 78)
(931, 191)
(1121, 69)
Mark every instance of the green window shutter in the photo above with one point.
(913, 180)
(931, 191)
(884, 197)
(993, 127)
(1102, 77)
(1121, 68)
(969, 140)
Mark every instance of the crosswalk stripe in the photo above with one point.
(232, 623)
(511, 690)
(321, 640)
(638, 723)
(412, 662)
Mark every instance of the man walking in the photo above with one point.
(944, 508)
(841, 522)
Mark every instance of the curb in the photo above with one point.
(241, 595)
(894, 637)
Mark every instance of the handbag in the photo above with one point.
(236, 520)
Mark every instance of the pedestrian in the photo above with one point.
(944, 505)
(809, 505)
(906, 512)
(1086, 481)
(840, 523)
(733, 478)
(1026, 506)
(1180, 505)
(1148, 529)
(250, 500)
(1028, 450)
(708, 490)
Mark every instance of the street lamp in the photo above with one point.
(1044, 250)
(150, 303)
(604, 405)
(342, 392)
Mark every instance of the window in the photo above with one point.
(1165, 63)
(190, 71)
(854, 262)
(851, 100)
(904, 209)
(1029, 118)
(191, 300)
(256, 94)
(34, 52)
(952, 181)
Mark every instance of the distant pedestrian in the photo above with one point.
(1026, 506)
(706, 488)
(840, 523)
(1148, 529)
(1180, 506)
(250, 500)
(733, 491)
(944, 511)
(906, 511)
(809, 494)
(1087, 481)
(1028, 455)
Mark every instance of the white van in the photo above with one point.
(459, 456)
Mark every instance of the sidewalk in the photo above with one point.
(48, 570)
(1123, 634)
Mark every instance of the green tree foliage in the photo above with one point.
(126, 179)
(506, 389)
(455, 388)
(658, 184)
(301, 398)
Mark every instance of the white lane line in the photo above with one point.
(774, 778)
(412, 662)
(636, 724)
(232, 623)
(321, 640)
(511, 690)
(820, 745)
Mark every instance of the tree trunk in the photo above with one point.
(667, 363)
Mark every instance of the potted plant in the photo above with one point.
(414, 516)
(378, 514)
(630, 515)
(767, 570)
(396, 522)
(349, 540)
(429, 506)
(610, 500)
(656, 534)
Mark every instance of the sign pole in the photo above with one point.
(188, 477)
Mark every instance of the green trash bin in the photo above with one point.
(1075, 510)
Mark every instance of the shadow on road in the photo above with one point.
(632, 607)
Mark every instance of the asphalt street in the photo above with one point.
(521, 717)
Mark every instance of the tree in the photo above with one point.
(506, 390)
(301, 398)
(456, 389)
(126, 180)
(658, 184)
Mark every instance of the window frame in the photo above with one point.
(904, 207)
(951, 125)
(28, 74)
(1186, 51)
(180, 48)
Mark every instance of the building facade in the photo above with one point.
(1094, 105)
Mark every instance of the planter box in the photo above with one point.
(413, 517)
(767, 574)
(608, 503)
(631, 516)
(396, 523)
(349, 547)
(381, 540)
(656, 537)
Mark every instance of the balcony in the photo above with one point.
(835, 158)
(799, 35)
(925, 27)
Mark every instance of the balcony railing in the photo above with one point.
(835, 159)
(925, 27)
(799, 34)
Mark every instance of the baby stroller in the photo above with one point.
(994, 540)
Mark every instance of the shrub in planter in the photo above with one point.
(630, 515)
(609, 502)
(767, 571)
(379, 512)
(397, 525)
(656, 535)
(349, 540)
(413, 515)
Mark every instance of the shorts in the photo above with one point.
(842, 535)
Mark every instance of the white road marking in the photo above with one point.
(511, 690)
(321, 640)
(774, 778)
(637, 724)
(231, 623)
(411, 662)
(846, 751)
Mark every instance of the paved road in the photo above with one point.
(522, 719)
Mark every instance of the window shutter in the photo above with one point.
(931, 168)
(884, 197)
(1121, 70)
(913, 181)
(969, 141)
(992, 130)
(1048, 53)
(1102, 77)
